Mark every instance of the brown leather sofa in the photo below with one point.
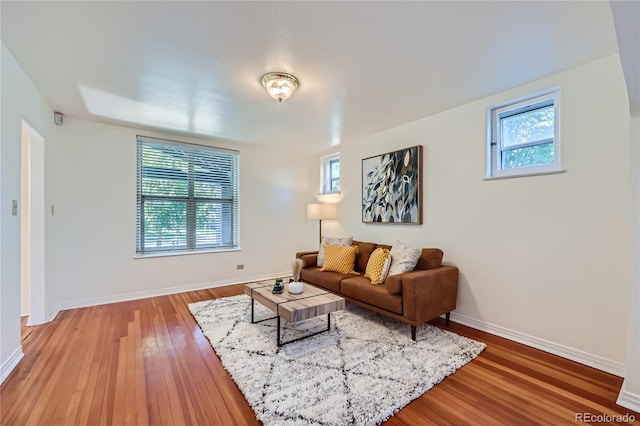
(414, 297)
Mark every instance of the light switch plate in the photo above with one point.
(14, 207)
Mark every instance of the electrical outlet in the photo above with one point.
(239, 267)
(14, 207)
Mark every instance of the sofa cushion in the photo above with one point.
(327, 280)
(363, 256)
(393, 283)
(430, 258)
(404, 257)
(339, 259)
(309, 260)
(339, 241)
(360, 288)
(379, 259)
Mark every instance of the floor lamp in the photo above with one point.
(320, 212)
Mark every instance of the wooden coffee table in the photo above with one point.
(312, 302)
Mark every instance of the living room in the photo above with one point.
(549, 261)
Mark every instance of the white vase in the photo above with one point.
(295, 287)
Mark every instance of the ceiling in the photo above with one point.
(364, 67)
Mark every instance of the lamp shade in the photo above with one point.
(321, 211)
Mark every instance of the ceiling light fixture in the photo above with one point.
(280, 85)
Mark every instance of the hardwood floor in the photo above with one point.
(147, 362)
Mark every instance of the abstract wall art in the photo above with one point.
(392, 187)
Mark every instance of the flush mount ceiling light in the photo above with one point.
(280, 85)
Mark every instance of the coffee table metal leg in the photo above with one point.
(279, 338)
(278, 332)
(253, 318)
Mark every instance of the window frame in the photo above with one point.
(326, 175)
(512, 108)
(191, 151)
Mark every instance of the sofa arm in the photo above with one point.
(310, 258)
(393, 283)
(429, 293)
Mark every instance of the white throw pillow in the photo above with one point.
(338, 241)
(385, 269)
(404, 257)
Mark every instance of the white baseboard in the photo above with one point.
(628, 400)
(24, 312)
(11, 363)
(83, 303)
(576, 355)
(53, 314)
(48, 318)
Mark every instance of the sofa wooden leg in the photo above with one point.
(447, 316)
(413, 333)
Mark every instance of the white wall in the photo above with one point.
(630, 394)
(541, 258)
(93, 187)
(25, 290)
(626, 16)
(20, 100)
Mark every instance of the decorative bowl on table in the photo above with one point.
(295, 287)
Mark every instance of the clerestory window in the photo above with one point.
(524, 137)
(330, 174)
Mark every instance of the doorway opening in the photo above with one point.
(32, 215)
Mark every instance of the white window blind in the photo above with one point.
(187, 197)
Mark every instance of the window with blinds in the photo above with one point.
(187, 197)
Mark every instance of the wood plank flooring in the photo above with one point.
(146, 362)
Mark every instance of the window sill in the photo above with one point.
(182, 253)
(550, 172)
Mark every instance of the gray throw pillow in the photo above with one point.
(404, 257)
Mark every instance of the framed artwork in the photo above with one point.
(392, 187)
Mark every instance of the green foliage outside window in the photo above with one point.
(520, 134)
(334, 175)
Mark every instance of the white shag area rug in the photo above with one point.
(361, 372)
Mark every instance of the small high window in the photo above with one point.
(524, 137)
(330, 174)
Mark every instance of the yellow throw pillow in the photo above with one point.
(376, 265)
(339, 259)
